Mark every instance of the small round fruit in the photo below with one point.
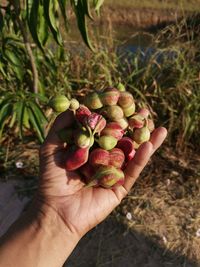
(107, 142)
(59, 103)
(141, 135)
(74, 104)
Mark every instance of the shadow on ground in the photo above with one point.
(111, 245)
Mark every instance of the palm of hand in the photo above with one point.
(82, 208)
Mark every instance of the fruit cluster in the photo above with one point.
(105, 135)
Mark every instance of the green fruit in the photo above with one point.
(121, 87)
(59, 103)
(107, 142)
(74, 104)
(141, 135)
(93, 101)
(129, 110)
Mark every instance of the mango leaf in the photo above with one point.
(41, 118)
(19, 109)
(63, 6)
(81, 20)
(51, 14)
(32, 18)
(42, 28)
(35, 124)
(98, 4)
(86, 6)
(25, 122)
(5, 112)
(1, 21)
(12, 57)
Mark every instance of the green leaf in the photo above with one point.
(41, 118)
(51, 14)
(5, 112)
(1, 21)
(13, 119)
(26, 123)
(86, 6)
(35, 125)
(19, 109)
(12, 57)
(98, 4)
(32, 18)
(63, 4)
(42, 28)
(81, 20)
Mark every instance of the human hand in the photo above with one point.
(81, 208)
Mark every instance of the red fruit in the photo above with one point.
(107, 177)
(110, 96)
(126, 145)
(82, 113)
(113, 129)
(125, 99)
(144, 112)
(76, 157)
(136, 121)
(116, 158)
(114, 113)
(99, 156)
(96, 122)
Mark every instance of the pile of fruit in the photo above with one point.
(105, 134)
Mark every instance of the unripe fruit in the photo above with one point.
(136, 145)
(136, 121)
(75, 158)
(74, 104)
(126, 145)
(107, 142)
(59, 103)
(93, 101)
(113, 129)
(129, 110)
(141, 135)
(121, 87)
(82, 113)
(150, 125)
(99, 156)
(110, 96)
(116, 158)
(125, 99)
(123, 123)
(82, 138)
(144, 112)
(66, 135)
(114, 113)
(109, 176)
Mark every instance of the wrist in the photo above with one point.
(46, 219)
(39, 238)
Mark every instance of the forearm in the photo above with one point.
(37, 239)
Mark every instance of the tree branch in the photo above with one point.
(16, 5)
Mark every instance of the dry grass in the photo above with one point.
(164, 203)
(192, 5)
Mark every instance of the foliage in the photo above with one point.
(27, 29)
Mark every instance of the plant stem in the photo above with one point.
(16, 5)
